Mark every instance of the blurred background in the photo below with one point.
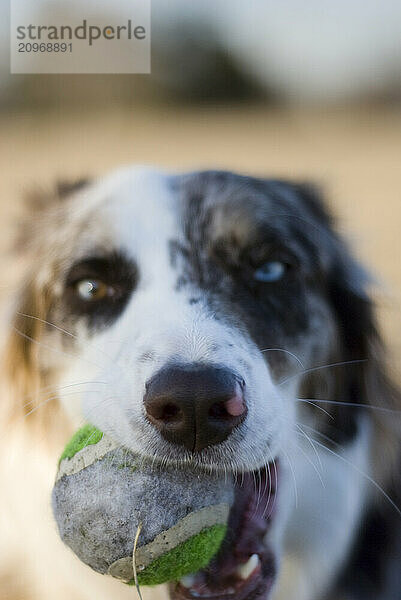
(288, 88)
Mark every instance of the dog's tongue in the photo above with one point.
(244, 567)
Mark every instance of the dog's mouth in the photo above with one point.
(245, 566)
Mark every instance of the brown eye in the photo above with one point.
(93, 289)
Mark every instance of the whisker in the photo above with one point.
(352, 404)
(311, 443)
(310, 460)
(69, 354)
(56, 388)
(40, 405)
(56, 397)
(329, 366)
(61, 329)
(293, 476)
(270, 485)
(323, 435)
(286, 352)
(363, 474)
(21, 314)
(315, 405)
(259, 494)
(47, 388)
(268, 477)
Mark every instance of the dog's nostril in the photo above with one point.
(218, 411)
(164, 412)
(170, 412)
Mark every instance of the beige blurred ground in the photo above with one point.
(354, 154)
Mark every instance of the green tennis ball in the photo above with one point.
(103, 493)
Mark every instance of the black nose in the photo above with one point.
(195, 405)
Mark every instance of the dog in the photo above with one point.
(216, 321)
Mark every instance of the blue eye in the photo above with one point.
(270, 271)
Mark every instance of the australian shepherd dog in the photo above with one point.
(217, 321)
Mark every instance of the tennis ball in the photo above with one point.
(103, 493)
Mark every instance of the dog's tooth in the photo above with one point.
(187, 581)
(243, 571)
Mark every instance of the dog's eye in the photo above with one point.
(98, 288)
(270, 271)
(93, 289)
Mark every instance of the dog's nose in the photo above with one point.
(195, 405)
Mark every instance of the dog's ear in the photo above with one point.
(30, 400)
(40, 204)
(39, 200)
(361, 375)
(27, 378)
(367, 382)
(22, 363)
(363, 378)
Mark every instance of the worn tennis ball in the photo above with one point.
(103, 493)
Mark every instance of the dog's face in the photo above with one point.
(206, 271)
(183, 310)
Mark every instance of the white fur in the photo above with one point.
(326, 497)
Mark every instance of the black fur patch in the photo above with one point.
(234, 223)
(373, 571)
(217, 258)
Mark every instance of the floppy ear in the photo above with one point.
(38, 204)
(371, 567)
(25, 373)
(363, 378)
(30, 402)
(22, 354)
(367, 382)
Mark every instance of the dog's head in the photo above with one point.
(184, 315)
